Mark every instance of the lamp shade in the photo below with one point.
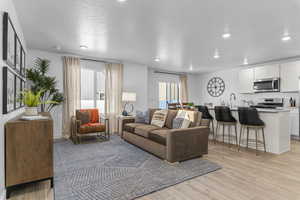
(129, 97)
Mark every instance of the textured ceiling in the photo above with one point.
(181, 32)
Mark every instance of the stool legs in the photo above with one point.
(264, 141)
(247, 136)
(256, 142)
(223, 133)
(213, 131)
(256, 129)
(241, 131)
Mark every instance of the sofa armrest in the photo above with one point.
(205, 122)
(123, 122)
(184, 144)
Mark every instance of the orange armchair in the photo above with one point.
(87, 122)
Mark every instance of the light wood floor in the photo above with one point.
(244, 176)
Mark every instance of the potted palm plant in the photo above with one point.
(32, 101)
(39, 81)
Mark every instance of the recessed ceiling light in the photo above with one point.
(286, 38)
(216, 55)
(191, 68)
(84, 47)
(156, 59)
(226, 35)
(245, 61)
(121, 1)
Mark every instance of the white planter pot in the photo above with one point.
(31, 111)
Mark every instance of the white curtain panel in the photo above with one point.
(113, 94)
(183, 89)
(71, 73)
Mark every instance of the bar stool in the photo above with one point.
(224, 118)
(208, 116)
(249, 119)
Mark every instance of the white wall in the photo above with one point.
(194, 90)
(230, 78)
(135, 80)
(6, 6)
(56, 70)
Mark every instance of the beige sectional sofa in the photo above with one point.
(173, 145)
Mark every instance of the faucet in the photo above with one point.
(232, 96)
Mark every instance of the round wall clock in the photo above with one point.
(215, 87)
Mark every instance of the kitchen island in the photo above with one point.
(276, 129)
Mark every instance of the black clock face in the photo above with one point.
(215, 87)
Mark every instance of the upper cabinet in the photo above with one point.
(290, 73)
(268, 71)
(246, 78)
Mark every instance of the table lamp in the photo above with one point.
(128, 98)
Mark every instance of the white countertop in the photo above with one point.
(263, 110)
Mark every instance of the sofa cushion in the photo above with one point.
(171, 115)
(159, 118)
(145, 129)
(91, 128)
(130, 127)
(159, 136)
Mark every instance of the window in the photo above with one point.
(168, 93)
(93, 85)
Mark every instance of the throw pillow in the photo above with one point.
(142, 117)
(185, 117)
(83, 116)
(139, 117)
(177, 123)
(159, 118)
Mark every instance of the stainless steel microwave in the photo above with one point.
(267, 85)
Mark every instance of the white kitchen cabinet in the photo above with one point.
(289, 74)
(246, 78)
(267, 71)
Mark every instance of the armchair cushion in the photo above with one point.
(91, 128)
(94, 114)
(83, 116)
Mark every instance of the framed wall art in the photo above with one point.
(23, 87)
(8, 41)
(18, 90)
(8, 90)
(23, 63)
(18, 52)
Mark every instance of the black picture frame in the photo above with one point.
(23, 87)
(8, 90)
(18, 89)
(23, 62)
(9, 35)
(18, 55)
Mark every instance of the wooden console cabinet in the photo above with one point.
(28, 151)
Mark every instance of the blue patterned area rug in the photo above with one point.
(116, 170)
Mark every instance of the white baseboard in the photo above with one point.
(3, 195)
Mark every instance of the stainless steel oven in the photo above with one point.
(267, 85)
